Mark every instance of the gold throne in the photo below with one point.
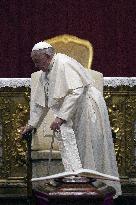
(77, 48)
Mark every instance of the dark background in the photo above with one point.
(110, 25)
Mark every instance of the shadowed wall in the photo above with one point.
(109, 25)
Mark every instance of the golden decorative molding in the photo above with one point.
(121, 104)
(14, 112)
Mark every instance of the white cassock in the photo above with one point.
(86, 138)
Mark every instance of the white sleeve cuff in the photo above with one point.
(69, 104)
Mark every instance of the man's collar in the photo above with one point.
(50, 65)
(52, 62)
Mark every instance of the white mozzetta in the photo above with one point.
(108, 81)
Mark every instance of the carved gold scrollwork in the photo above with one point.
(14, 109)
(121, 103)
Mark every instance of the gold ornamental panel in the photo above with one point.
(14, 113)
(121, 102)
(14, 110)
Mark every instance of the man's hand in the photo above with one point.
(55, 126)
(27, 128)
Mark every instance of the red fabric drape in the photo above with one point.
(109, 25)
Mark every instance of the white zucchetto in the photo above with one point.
(41, 45)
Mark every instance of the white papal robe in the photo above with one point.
(86, 139)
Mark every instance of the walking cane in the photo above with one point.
(28, 137)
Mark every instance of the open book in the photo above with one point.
(81, 172)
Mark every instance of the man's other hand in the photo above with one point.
(27, 128)
(55, 125)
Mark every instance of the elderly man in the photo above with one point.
(81, 119)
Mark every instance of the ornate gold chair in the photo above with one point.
(77, 48)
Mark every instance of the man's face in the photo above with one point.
(41, 60)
